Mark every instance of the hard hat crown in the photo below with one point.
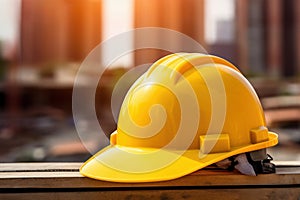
(186, 112)
(151, 112)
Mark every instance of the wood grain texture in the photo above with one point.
(63, 181)
(203, 194)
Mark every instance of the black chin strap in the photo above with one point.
(262, 166)
(250, 163)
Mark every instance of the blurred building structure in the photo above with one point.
(261, 37)
(59, 31)
(186, 17)
(268, 37)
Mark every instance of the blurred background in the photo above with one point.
(43, 43)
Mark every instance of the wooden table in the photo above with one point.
(63, 181)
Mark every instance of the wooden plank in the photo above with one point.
(49, 175)
(280, 164)
(287, 167)
(63, 181)
(204, 194)
(74, 166)
(14, 167)
(77, 181)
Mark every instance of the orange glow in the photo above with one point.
(59, 30)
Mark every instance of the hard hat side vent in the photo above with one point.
(259, 134)
(113, 138)
(214, 143)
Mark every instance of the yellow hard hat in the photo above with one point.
(188, 111)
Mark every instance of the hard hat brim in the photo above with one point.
(122, 164)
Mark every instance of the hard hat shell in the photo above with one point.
(186, 112)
